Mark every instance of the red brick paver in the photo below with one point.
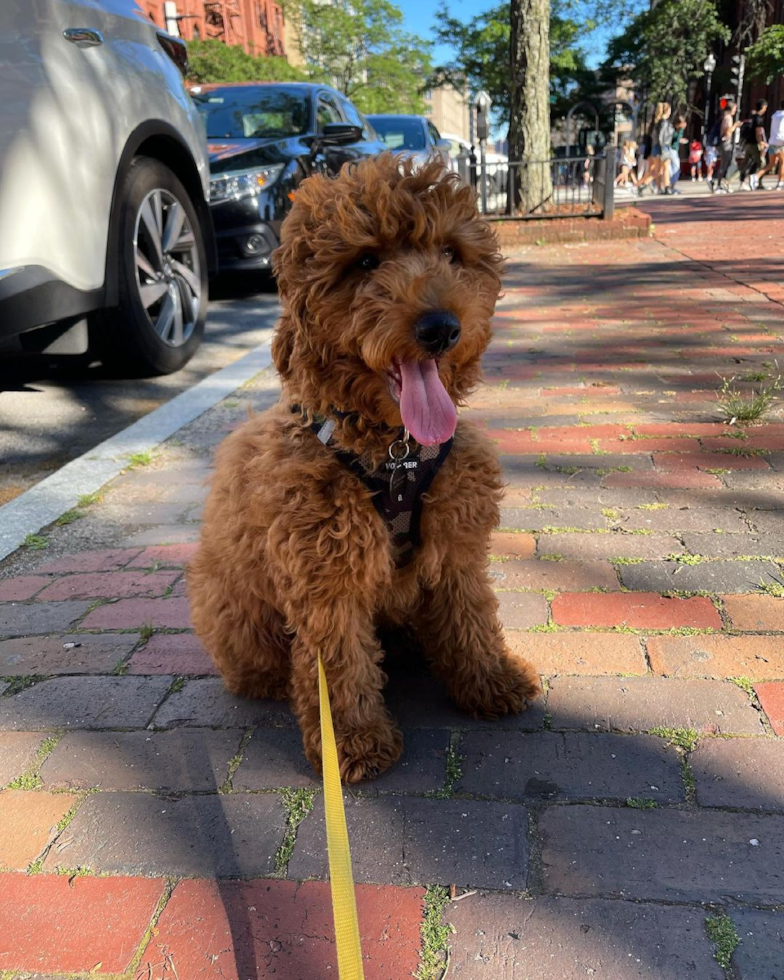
(28, 821)
(55, 925)
(130, 613)
(771, 696)
(246, 929)
(637, 610)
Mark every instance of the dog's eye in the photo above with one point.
(368, 263)
(450, 253)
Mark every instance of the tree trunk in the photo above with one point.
(529, 122)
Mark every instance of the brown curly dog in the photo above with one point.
(313, 535)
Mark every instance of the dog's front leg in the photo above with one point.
(462, 637)
(367, 739)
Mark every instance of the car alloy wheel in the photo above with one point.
(168, 275)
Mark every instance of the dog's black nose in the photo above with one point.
(437, 331)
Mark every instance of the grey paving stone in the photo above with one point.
(709, 576)
(598, 462)
(503, 937)
(760, 955)
(642, 703)
(205, 702)
(693, 518)
(22, 619)
(84, 702)
(177, 760)
(224, 836)
(274, 758)
(422, 702)
(554, 765)
(740, 772)
(734, 545)
(17, 751)
(768, 523)
(163, 534)
(89, 653)
(595, 499)
(521, 610)
(661, 854)
(402, 840)
(612, 545)
(535, 519)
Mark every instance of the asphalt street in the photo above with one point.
(51, 413)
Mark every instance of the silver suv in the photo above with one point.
(105, 234)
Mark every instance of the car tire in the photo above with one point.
(162, 276)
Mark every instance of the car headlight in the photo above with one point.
(233, 186)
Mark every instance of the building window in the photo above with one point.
(428, 94)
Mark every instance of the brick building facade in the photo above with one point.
(257, 25)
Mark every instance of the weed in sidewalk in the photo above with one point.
(69, 517)
(685, 559)
(453, 771)
(640, 803)
(745, 684)
(31, 778)
(748, 406)
(724, 936)
(36, 541)
(146, 632)
(683, 738)
(775, 589)
(88, 499)
(298, 803)
(434, 950)
(652, 506)
(143, 458)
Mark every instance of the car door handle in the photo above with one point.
(83, 37)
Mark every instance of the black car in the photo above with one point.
(264, 139)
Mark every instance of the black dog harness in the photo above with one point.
(397, 485)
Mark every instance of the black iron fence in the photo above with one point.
(563, 187)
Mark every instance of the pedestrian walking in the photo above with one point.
(675, 155)
(695, 159)
(752, 132)
(775, 160)
(660, 160)
(727, 128)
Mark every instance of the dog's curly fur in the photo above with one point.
(294, 558)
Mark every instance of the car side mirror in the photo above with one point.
(340, 134)
(444, 145)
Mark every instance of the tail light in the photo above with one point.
(176, 49)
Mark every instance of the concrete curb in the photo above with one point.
(47, 500)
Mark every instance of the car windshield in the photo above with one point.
(400, 134)
(253, 113)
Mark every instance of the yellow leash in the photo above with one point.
(344, 905)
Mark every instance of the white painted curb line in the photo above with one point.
(47, 500)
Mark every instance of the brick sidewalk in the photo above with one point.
(630, 825)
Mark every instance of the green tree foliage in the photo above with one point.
(663, 49)
(214, 61)
(765, 59)
(360, 47)
(482, 54)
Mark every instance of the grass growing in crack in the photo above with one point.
(298, 803)
(88, 499)
(177, 685)
(541, 461)
(640, 803)
(143, 458)
(146, 632)
(17, 684)
(69, 517)
(745, 453)
(652, 506)
(685, 559)
(744, 683)
(611, 513)
(30, 778)
(545, 628)
(748, 406)
(434, 935)
(775, 589)
(626, 561)
(235, 762)
(36, 541)
(683, 738)
(454, 770)
(724, 936)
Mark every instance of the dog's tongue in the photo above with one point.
(428, 412)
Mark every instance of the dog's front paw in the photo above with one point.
(367, 753)
(506, 689)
